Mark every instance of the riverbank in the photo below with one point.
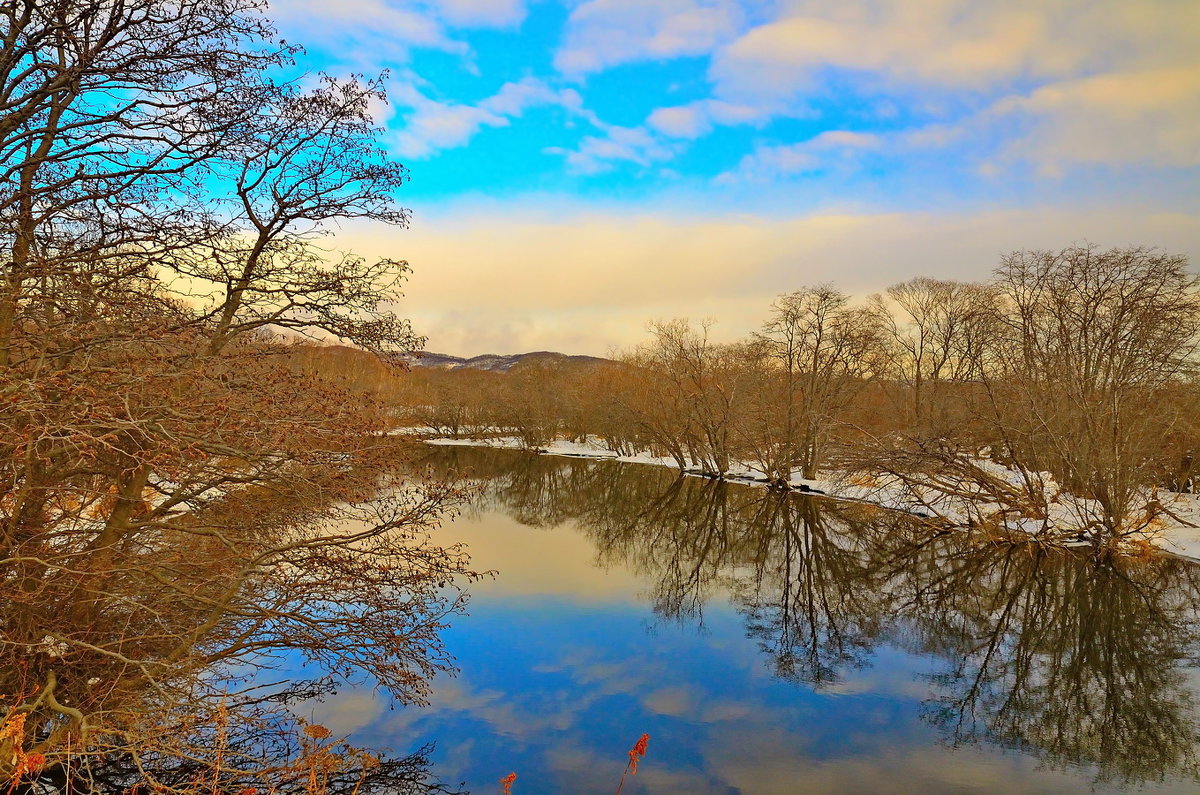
(1171, 536)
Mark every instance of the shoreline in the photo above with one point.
(1177, 540)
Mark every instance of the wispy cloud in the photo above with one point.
(1150, 117)
(431, 126)
(613, 143)
(830, 149)
(952, 44)
(698, 118)
(598, 153)
(363, 33)
(603, 33)
(481, 13)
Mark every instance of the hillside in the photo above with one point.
(496, 363)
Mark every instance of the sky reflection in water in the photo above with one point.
(780, 645)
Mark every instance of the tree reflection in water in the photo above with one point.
(171, 669)
(1075, 660)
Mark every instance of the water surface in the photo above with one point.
(780, 643)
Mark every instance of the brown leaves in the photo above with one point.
(638, 751)
(317, 731)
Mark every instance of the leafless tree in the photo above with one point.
(934, 328)
(824, 352)
(1089, 341)
(704, 383)
(108, 106)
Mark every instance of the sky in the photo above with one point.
(579, 169)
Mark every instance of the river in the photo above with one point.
(773, 643)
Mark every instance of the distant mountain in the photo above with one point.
(495, 362)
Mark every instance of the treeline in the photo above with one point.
(1055, 396)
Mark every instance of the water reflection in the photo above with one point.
(155, 662)
(1063, 657)
(1078, 662)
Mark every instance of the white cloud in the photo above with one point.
(618, 144)
(598, 153)
(698, 118)
(481, 13)
(786, 55)
(1103, 82)
(952, 44)
(1146, 117)
(604, 33)
(684, 121)
(436, 126)
(365, 33)
(833, 148)
(432, 126)
(513, 98)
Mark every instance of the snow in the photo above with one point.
(1177, 538)
(561, 447)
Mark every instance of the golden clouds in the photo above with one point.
(504, 281)
(1151, 116)
(957, 43)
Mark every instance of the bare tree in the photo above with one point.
(1090, 340)
(824, 352)
(301, 160)
(701, 386)
(1075, 363)
(109, 105)
(934, 339)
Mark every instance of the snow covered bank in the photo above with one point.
(1172, 536)
(1178, 539)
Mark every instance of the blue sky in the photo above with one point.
(625, 160)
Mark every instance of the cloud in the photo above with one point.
(513, 98)
(583, 280)
(698, 118)
(1144, 117)
(481, 13)
(1147, 118)
(603, 33)
(432, 126)
(596, 154)
(684, 121)
(1102, 83)
(951, 44)
(677, 701)
(994, 86)
(830, 149)
(345, 712)
(367, 33)
(614, 144)
(1114, 120)
(378, 32)
(778, 758)
(786, 56)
